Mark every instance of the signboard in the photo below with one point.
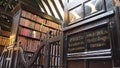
(92, 39)
(98, 39)
(76, 42)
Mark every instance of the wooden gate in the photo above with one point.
(48, 55)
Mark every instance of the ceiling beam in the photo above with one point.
(57, 9)
(40, 3)
(61, 3)
(46, 1)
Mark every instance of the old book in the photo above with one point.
(22, 21)
(23, 13)
(37, 26)
(23, 40)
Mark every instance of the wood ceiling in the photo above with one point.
(53, 8)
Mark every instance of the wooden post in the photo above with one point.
(47, 51)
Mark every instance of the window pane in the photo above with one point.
(71, 1)
(93, 6)
(76, 13)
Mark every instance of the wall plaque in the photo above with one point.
(98, 39)
(89, 40)
(76, 43)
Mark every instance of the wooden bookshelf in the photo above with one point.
(4, 39)
(32, 26)
(5, 30)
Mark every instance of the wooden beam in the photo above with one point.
(56, 9)
(46, 1)
(41, 4)
(55, 39)
(61, 3)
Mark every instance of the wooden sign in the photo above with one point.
(98, 39)
(76, 42)
(93, 39)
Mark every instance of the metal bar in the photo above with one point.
(55, 39)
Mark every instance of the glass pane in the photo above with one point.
(76, 13)
(76, 1)
(71, 1)
(93, 6)
(110, 4)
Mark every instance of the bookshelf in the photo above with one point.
(5, 29)
(31, 27)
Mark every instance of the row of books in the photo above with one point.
(29, 44)
(30, 24)
(33, 17)
(29, 33)
(4, 41)
(36, 26)
(40, 20)
(33, 25)
(27, 23)
(5, 33)
(53, 24)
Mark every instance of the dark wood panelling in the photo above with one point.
(76, 64)
(85, 21)
(100, 64)
(91, 25)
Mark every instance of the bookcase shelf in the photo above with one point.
(31, 20)
(32, 26)
(2, 45)
(32, 29)
(5, 29)
(5, 36)
(40, 23)
(29, 37)
(5, 33)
